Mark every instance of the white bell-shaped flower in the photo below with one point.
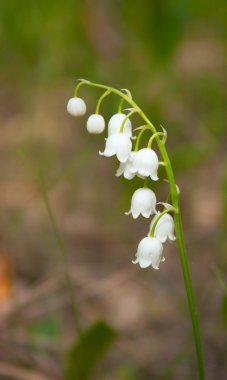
(115, 123)
(119, 144)
(125, 168)
(149, 252)
(145, 163)
(164, 228)
(143, 202)
(95, 124)
(76, 106)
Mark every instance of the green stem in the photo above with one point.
(64, 260)
(146, 181)
(100, 101)
(156, 222)
(78, 86)
(190, 295)
(178, 227)
(126, 118)
(153, 137)
(120, 106)
(145, 128)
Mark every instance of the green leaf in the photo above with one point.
(46, 327)
(90, 348)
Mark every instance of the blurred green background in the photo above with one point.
(172, 57)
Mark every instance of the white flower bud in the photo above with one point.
(143, 202)
(145, 163)
(149, 252)
(76, 106)
(118, 144)
(164, 228)
(115, 123)
(95, 124)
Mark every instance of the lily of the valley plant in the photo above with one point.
(143, 162)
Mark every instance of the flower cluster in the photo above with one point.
(143, 163)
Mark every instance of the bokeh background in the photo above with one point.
(172, 56)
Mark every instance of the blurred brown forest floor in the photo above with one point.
(147, 307)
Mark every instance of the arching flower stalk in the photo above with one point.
(144, 163)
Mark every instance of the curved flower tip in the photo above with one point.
(95, 124)
(178, 189)
(106, 153)
(168, 206)
(149, 253)
(164, 229)
(139, 128)
(154, 177)
(164, 135)
(115, 123)
(83, 80)
(145, 163)
(118, 144)
(127, 92)
(143, 202)
(76, 107)
(132, 109)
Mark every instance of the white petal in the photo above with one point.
(146, 163)
(110, 148)
(128, 174)
(141, 176)
(161, 238)
(133, 169)
(145, 172)
(125, 168)
(107, 152)
(157, 255)
(135, 213)
(164, 228)
(145, 262)
(149, 252)
(144, 202)
(115, 123)
(123, 147)
(120, 170)
(154, 177)
(171, 236)
(122, 155)
(146, 213)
